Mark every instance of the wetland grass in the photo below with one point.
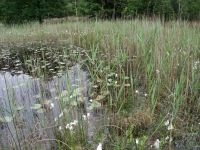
(145, 75)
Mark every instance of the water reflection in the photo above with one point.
(18, 93)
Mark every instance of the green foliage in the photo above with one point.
(20, 11)
(15, 11)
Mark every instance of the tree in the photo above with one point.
(20, 11)
(163, 8)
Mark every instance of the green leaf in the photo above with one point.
(73, 103)
(36, 106)
(77, 92)
(99, 97)
(18, 108)
(40, 111)
(6, 119)
(95, 104)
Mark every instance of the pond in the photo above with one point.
(43, 90)
(29, 106)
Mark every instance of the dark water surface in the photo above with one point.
(21, 123)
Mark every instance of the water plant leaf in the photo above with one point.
(76, 92)
(95, 104)
(73, 103)
(100, 97)
(6, 119)
(18, 108)
(64, 93)
(40, 111)
(36, 106)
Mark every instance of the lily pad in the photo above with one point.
(95, 104)
(18, 108)
(40, 111)
(100, 97)
(36, 106)
(6, 119)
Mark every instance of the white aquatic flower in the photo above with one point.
(55, 119)
(167, 138)
(52, 105)
(157, 71)
(69, 126)
(60, 127)
(99, 147)
(110, 80)
(170, 139)
(88, 115)
(145, 94)
(75, 122)
(170, 127)
(61, 114)
(84, 117)
(166, 123)
(157, 144)
(136, 91)
(137, 141)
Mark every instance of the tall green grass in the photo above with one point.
(150, 69)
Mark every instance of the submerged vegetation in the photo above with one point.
(144, 79)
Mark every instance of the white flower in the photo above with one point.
(109, 80)
(60, 127)
(170, 127)
(136, 91)
(69, 126)
(52, 105)
(84, 117)
(88, 114)
(137, 141)
(75, 122)
(170, 139)
(61, 114)
(157, 144)
(99, 147)
(157, 71)
(55, 119)
(166, 123)
(145, 94)
(167, 138)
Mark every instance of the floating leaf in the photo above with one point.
(95, 104)
(36, 106)
(126, 77)
(105, 93)
(18, 108)
(40, 111)
(73, 103)
(127, 85)
(6, 119)
(99, 97)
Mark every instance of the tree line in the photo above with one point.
(20, 11)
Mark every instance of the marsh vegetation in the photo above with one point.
(117, 84)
